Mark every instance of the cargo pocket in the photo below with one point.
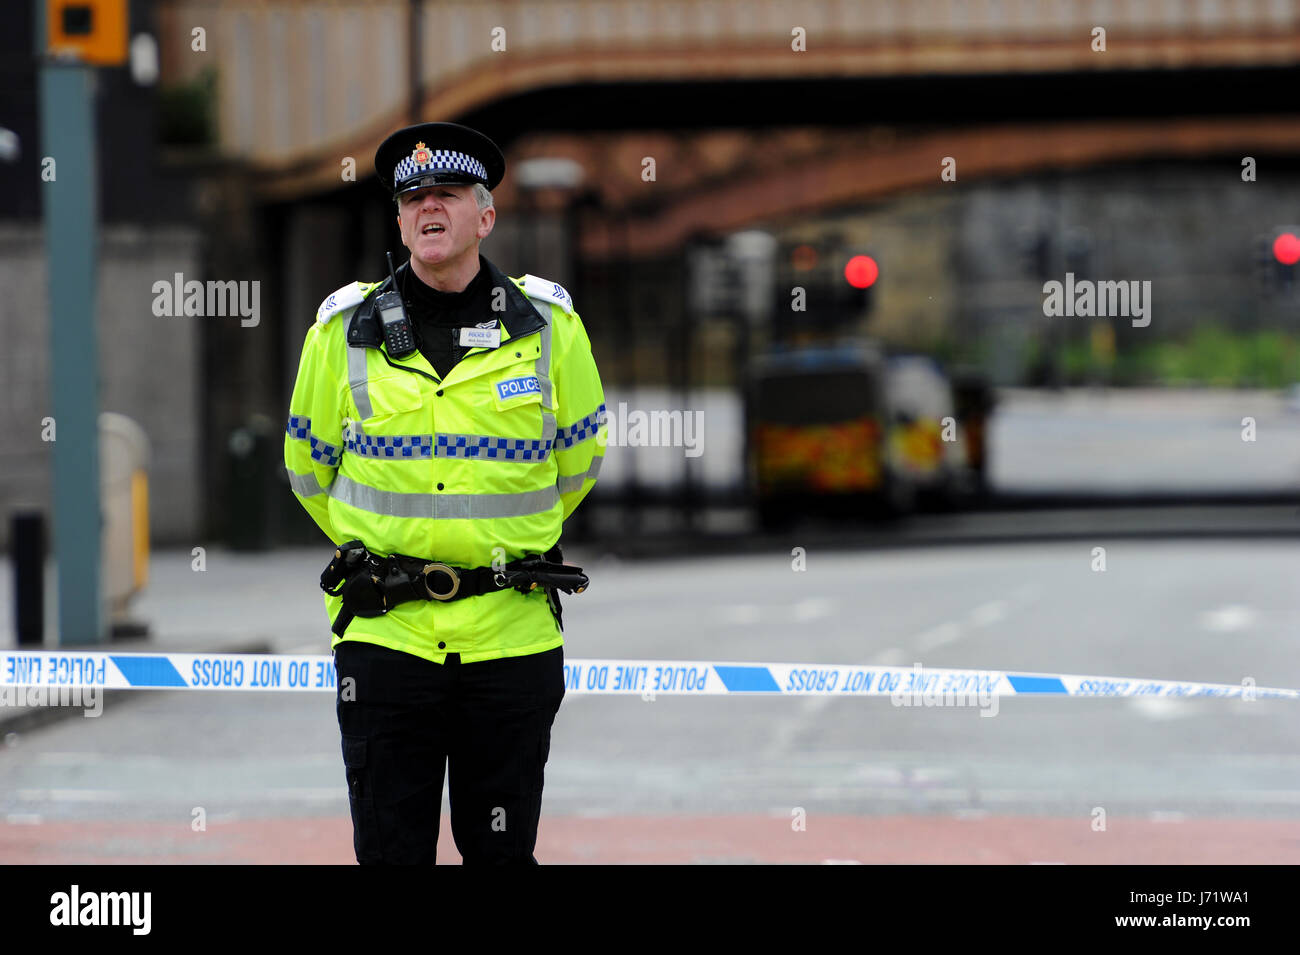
(396, 407)
(365, 822)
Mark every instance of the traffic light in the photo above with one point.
(853, 287)
(823, 286)
(1286, 248)
(1276, 255)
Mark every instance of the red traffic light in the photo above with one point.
(862, 271)
(1286, 248)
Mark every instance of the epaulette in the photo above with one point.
(548, 291)
(354, 293)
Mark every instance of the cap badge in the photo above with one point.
(421, 156)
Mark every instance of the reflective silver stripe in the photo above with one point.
(542, 367)
(543, 363)
(573, 482)
(306, 484)
(441, 506)
(357, 376)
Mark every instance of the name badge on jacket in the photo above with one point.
(481, 337)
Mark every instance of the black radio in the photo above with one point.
(399, 336)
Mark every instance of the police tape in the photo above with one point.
(646, 678)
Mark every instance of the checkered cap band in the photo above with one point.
(442, 160)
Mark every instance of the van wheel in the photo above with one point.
(899, 495)
(773, 515)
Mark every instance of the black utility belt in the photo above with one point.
(371, 585)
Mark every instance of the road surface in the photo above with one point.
(729, 779)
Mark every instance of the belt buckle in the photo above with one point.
(449, 571)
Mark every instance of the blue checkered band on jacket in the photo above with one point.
(327, 454)
(448, 446)
(443, 160)
(483, 446)
(394, 446)
(299, 427)
(580, 430)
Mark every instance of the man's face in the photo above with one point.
(443, 225)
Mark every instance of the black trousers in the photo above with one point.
(404, 719)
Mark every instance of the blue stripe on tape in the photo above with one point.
(148, 671)
(1035, 684)
(747, 679)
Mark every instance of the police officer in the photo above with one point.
(443, 425)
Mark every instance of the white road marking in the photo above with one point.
(1266, 796)
(812, 706)
(938, 636)
(1025, 593)
(740, 614)
(878, 775)
(307, 792)
(889, 657)
(813, 608)
(80, 759)
(1229, 619)
(988, 614)
(1163, 708)
(72, 795)
(950, 631)
(1288, 796)
(287, 794)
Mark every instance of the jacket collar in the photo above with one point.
(519, 318)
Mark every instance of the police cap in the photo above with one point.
(434, 154)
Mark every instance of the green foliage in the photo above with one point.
(187, 111)
(1211, 355)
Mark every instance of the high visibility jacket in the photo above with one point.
(482, 465)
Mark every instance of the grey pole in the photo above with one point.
(71, 230)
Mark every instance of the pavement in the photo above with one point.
(691, 840)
